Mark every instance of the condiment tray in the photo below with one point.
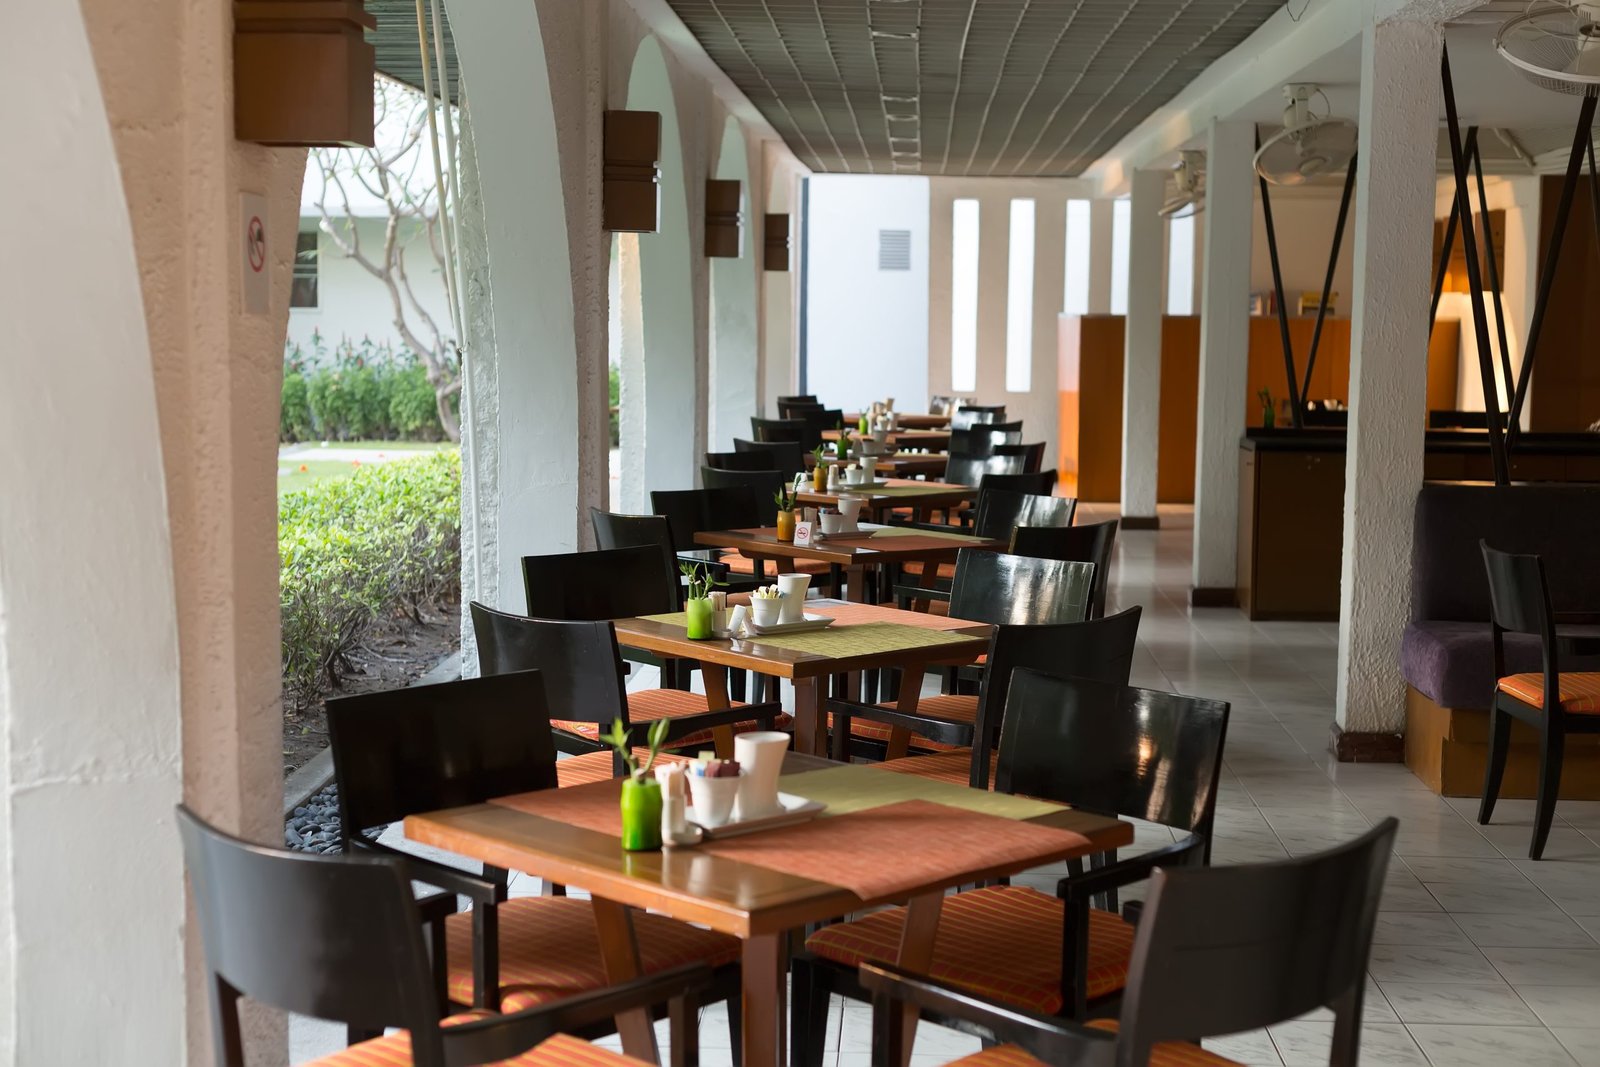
(794, 810)
(806, 624)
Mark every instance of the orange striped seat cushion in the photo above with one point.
(956, 707)
(596, 766)
(1165, 1054)
(647, 705)
(738, 563)
(562, 1050)
(947, 571)
(1002, 943)
(954, 766)
(1580, 693)
(549, 949)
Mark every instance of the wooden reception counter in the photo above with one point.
(1291, 505)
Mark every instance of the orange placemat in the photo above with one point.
(593, 806)
(887, 852)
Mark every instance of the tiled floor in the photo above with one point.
(1481, 957)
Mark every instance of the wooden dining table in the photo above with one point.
(932, 440)
(864, 637)
(921, 497)
(763, 888)
(899, 464)
(908, 420)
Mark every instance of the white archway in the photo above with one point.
(521, 419)
(734, 346)
(90, 718)
(663, 439)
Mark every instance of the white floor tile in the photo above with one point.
(1494, 1005)
(1491, 1046)
(1522, 930)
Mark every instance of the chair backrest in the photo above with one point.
(1092, 543)
(1113, 749)
(690, 511)
(1041, 483)
(795, 409)
(744, 461)
(799, 398)
(787, 456)
(1032, 454)
(429, 747)
(763, 485)
(616, 583)
(777, 429)
(1519, 602)
(969, 415)
(1002, 589)
(980, 440)
(1221, 950)
(613, 531)
(817, 419)
(579, 661)
(333, 937)
(970, 470)
(1000, 511)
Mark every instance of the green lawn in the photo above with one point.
(306, 465)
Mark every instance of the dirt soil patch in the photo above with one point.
(392, 656)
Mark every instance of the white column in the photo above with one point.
(1224, 359)
(1100, 225)
(1141, 366)
(1400, 108)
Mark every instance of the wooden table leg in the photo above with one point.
(926, 580)
(716, 679)
(916, 952)
(810, 728)
(910, 690)
(765, 1007)
(857, 595)
(619, 952)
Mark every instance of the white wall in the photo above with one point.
(1303, 219)
(866, 329)
(352, 303)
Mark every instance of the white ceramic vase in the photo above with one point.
(760, 756)
(793, 587)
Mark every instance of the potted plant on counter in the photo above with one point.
(697, 604)
(641, 794)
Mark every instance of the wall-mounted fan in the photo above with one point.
(1189, 173)
(1309, 145)
(1555, 45)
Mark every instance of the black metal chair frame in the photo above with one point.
(1290, 937)
(340, 938)
(1519, 596)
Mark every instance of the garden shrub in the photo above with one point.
(356, 393)
(382, 543)
(294, 419)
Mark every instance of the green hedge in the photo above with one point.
(382, 543)
(357, 392)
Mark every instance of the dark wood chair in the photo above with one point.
(582, 671)
(745, 461)
(981, 439)
(997, 514)
(778, 429)
(1032, 455)
(1552, 703)
(786, 455)
(340, 938)
(426, 748)
(1085, 544)
(1102, 747)
(798, 398)
(732, 506)
(988, 587)
(970, 415)
(1039, 483)
(1219, 951)
(966, 469)
(763, 485)
(963, 728)
(796, 409)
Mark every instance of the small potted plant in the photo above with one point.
(641, 794)
(842, 448)
(1268, 414)
(697, 605)
(819, 472)
(785, 513)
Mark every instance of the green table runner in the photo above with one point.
(845, 639)
(855, 788)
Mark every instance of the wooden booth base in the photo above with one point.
(1448, 748)
(1351, 747)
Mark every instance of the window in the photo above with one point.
(964, 297)
(303, 290)
(1121, 213)
(1180, 267)
(1075, 298)
(1019, 300)
(894, 249)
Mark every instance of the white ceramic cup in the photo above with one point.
(765, 611)
(850, 511)
(713, 798)
(760, 756)
(832, 523)
(793, 587)
(869, 470)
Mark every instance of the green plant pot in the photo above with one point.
(700, 618)
(641, 815)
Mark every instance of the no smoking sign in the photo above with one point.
(255, 285)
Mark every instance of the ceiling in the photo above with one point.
(395, 41)
(963, 87)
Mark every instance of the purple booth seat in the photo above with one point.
(1447, 651)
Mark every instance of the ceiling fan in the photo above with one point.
(1309, 145)
(1555, 44)
(1190, 175)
